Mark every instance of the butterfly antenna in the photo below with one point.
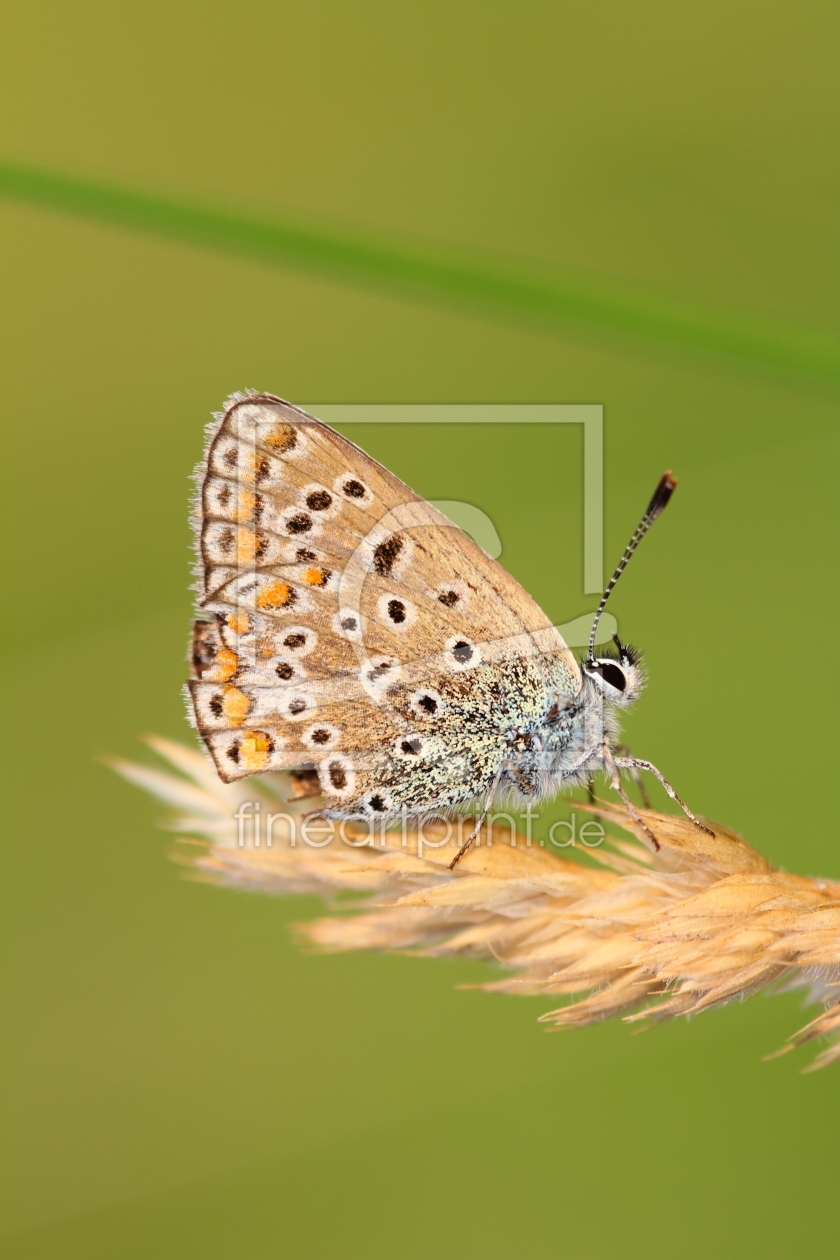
(661, 495)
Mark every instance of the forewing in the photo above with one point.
(339, 599)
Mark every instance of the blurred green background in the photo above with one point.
(179, 1079)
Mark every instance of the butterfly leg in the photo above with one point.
(525, 786)
(637, 776)
(611, 765)
(635, 763)
(488, 805)
(591, 799)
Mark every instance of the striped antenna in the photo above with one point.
(661, 495)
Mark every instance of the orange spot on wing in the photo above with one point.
(275, 595)
(281, 438)
(246, 546)
(316, 577)
(235, 705)
(239, 622)
(254, 751)
(245, 505)
(266, 646)
(226, 665)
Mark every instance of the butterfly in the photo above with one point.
(350, 631)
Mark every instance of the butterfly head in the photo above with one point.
(617, 676)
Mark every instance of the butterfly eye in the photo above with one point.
(611, 674)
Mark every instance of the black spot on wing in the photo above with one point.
(385, 556)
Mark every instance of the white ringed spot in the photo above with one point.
(426, 703)
(461, 653)
(320, 502)
(300, 523)
(288, 672)
(322, 736)
(378, 803)
(378, 674)
(450, 594)
(337, 776)
(348, 624)
(353, 490)
(298, 640)
(297, 706)
(396, 613)
(412, 747)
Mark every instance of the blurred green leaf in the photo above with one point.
(486, 289)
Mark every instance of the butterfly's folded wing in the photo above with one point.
(351, 624)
